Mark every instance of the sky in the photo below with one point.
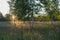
(4, 6)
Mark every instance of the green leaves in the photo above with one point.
(21, 8)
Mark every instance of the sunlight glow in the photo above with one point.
(13, 17)
(4, 6)
(14, 20)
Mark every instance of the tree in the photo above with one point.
(51, 7)
(24, 8)
(19, 8)
(1, 17)
(8, 17)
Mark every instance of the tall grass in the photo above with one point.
(35, 32)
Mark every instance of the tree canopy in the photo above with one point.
(25, 9)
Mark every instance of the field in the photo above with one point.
(27, 31)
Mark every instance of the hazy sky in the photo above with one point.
(4, 7)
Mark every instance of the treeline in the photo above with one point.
(45, 17)
(29, 9)
(4, 18)
(35, 10)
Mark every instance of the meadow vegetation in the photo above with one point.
(38, 32)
